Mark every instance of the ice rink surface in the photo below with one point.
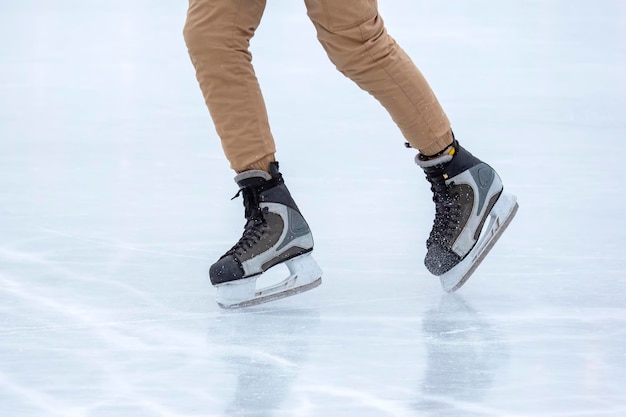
(115, 199)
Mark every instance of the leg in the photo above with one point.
(471, 209)
(356, 41)
(217, 34)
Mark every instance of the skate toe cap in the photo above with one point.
(440, 260)
(224, 270)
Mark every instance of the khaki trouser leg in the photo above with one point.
(217, 34)
(356, 41)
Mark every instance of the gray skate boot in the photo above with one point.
(275, 233)
(471, 212)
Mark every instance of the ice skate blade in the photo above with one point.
(500, 217)
(304, 275)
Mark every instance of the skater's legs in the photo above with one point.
(356, 41)
(217, 34)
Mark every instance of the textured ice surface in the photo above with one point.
(114, 200)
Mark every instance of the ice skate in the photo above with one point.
(275, 233)
(471, 213)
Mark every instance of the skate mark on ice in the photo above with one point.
(121, 245)
(54, 267)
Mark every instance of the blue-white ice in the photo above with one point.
(114, 200)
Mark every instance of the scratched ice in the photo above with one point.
(115, 199)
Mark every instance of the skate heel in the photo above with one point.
(304, 275)
(500, 217)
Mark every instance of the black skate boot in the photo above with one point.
(275, 233)
(467, 192)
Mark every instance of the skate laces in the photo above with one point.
(447, 211)
(256, 224)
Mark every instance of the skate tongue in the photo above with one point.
(259, 180)
(256, 180)
(252, 177)
(440, 159)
